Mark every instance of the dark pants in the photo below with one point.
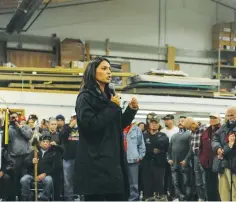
(6, 188)
(153, 178)
(168, 186)
(105, 197)
(181, 182)
(211, 182)
(18, 172)
(199, 178)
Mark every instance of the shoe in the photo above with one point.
(163, 198)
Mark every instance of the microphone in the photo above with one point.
(112, 89)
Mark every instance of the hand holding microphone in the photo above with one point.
(115, 98)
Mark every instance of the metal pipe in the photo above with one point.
(222, 4)
(62, 6)
(41, 11)
(154, 60)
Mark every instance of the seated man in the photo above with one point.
(6, 182)
(48, 161)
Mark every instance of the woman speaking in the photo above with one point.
(101, 170)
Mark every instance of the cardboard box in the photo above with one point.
(79, 64)
(223, 45)
(225, 36)
(72, 50)
(177, 67)
(221, 27)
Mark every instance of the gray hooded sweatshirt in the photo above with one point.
(19, 140)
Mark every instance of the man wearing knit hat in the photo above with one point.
(49, 159)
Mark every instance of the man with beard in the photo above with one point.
(224, 146)
(178, 158)
(206, 156)
(170, 129)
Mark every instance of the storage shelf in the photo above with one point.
(226, 66)
(228, 80)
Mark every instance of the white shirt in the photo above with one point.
(170, 132)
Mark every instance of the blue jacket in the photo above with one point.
(135, 144)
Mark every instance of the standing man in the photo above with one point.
(224, 146)
(170, 129)
(206, 156)
(178, 157)
(197, 131)
(18, 147)
(135, 152)
(70, 139)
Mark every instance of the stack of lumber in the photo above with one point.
(47, 79)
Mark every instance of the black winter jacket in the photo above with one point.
(101, 165)
(49, 163)
(158, 141)
(229, 157)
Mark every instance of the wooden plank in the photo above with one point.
(15, 77)
(58, 70)
(171, 57)
(50, 86)
(44, 86)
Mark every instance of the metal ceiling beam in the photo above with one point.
(29, 39)
(132, 48)
(222, 4)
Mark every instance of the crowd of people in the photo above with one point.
(163, 163)
(101, 155)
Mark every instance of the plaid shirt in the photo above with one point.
(196, 138)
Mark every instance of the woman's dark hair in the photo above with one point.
(89, 77)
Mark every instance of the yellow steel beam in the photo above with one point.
(57, 71)
(45, 86)
(50, 86)
(39, 90)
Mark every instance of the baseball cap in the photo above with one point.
(45, 136)
(73, 114)
(214, 114)
(168, 117)
(60, 116)
(155, 118)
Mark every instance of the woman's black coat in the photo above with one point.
(101, 165)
